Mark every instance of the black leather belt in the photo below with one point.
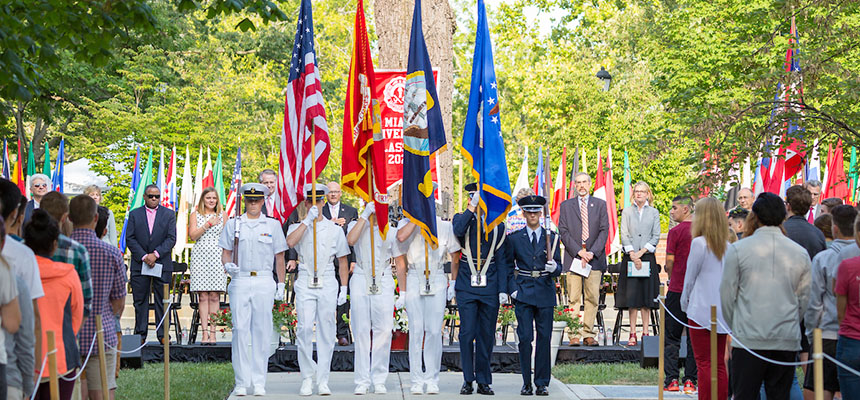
(533, 274)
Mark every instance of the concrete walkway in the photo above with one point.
(506, 386)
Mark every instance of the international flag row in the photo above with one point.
(15, 170)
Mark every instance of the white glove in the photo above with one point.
(232, 269)
(341, 297)
(279, 292)
(503, 298)
(369, 209)
(451, 293)
(401, 300)
(476, 198)
(550, 266)
(313, 213)
(514, 294)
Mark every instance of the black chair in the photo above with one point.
(196, 321)
(453, 324)
(619, 317)
(175, 294)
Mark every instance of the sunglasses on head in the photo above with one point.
(153, 196)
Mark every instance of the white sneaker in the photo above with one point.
(259, 390)
(307, 387)
(324, 390)
(417, 388)
(240, 391)
(360, 389)
(432, 388)
(380, 389)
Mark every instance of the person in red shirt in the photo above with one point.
(847, 290)
(677, 250)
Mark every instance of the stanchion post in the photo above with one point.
(714, 358)
(662, 344)
(818, 364)
(54, 384)
(100, 338)
(166, 329)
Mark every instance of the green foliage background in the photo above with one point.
(687, 79)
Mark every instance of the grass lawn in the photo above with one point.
(187, 381)
(605, 374)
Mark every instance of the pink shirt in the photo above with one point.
(150, 217)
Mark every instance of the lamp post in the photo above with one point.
(604, 76)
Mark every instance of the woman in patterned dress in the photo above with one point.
(207, 274)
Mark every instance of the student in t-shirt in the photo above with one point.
(677, 250)
(848, 313)
(10, 313)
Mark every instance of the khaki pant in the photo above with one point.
(93, 373)
(592, 294)
(14, 393)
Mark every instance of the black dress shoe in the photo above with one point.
(541, 391)
(467, 388)
(484, 388)
(526, 390)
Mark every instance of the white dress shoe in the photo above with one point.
(417, 388)
(360, 389)
(324, 390)
(259, 390)
(307, 387)
(380, 389)
(240, 391)
(432, 388)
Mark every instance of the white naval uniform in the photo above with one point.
(317, 305)
(372, 312)
(252, 297)
(426, 313)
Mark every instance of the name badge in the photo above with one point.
(479, 280)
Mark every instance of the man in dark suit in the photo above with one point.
(150, 235)
(269, 179)
(40, 184)
(584, 229)
(341, 214)
(532, 289)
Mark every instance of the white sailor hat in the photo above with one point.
(532, 203)
(322, 191)
(254, 191)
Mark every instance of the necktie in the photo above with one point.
(810, 216)
(583, 212)
(534, 238)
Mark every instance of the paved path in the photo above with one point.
(286, 385)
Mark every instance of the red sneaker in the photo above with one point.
(689, 387)
(672, 386)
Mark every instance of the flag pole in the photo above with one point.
(426, 267)
(372, 203)
(546, 206)
(315, 282)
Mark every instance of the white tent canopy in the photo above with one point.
(78, 175)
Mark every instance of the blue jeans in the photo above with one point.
(848, 353)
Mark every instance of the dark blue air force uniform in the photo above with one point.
(535, 299)
(479, 306)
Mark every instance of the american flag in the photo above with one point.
(235, 184)
(304, 119)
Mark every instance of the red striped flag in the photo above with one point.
(304, 119)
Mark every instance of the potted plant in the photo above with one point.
(223, 319)
(506, 318)
(563, 317)
(284, 320)
(400, 334)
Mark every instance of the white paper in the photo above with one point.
(632, 272)
(154, 270)
(577, 268)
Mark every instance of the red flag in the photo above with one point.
(837, 185)
(304, 119)
(611, 206)
(208, 177)
(363, 146)
(18, 175)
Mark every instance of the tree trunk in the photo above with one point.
(393, 20)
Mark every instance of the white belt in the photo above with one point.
(385, 271)
(246, 274)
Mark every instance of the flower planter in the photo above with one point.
(399, 340)
(554, 341)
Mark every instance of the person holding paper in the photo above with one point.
(150, 236)
(532, 288)
(584, 228)
(638, 282)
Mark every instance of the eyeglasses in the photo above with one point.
(153, 196)
(40, 185)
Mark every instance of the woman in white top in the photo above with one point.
(208, 279)
(711, 237)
